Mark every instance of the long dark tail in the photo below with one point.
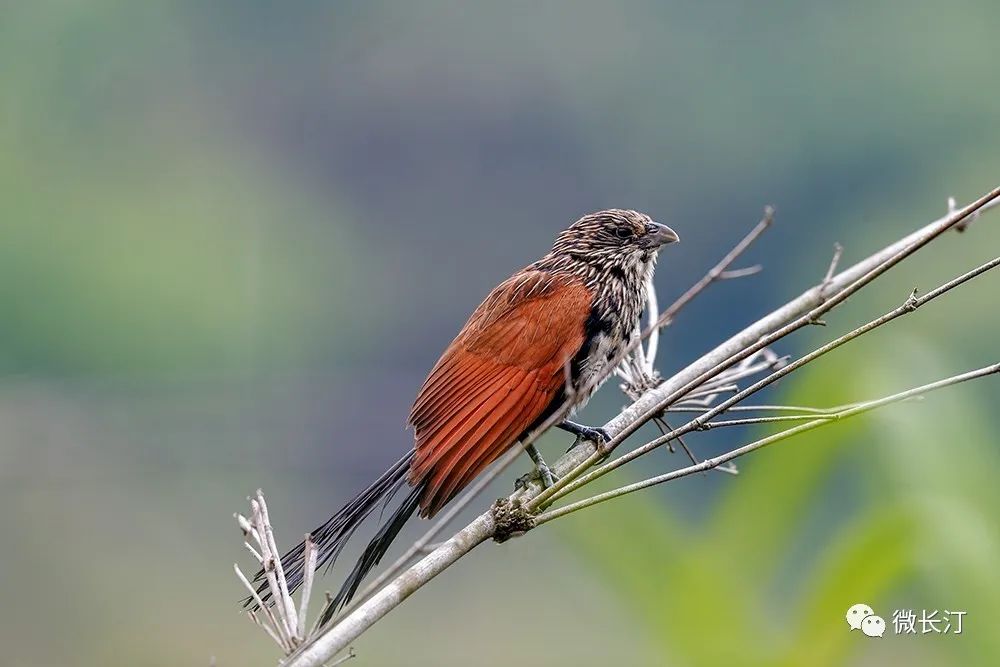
(331, 538)
(373, 552)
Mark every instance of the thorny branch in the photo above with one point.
(693, 389)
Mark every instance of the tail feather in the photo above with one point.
(374, 552)
(331, 538)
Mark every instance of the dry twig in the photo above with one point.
(279, 617)
(716, 461)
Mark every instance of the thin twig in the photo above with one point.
(666, 428)
(285, 629)
(278, 633)
(754, 408)
(310, 556)
(253, 552)
(838, 250)
(652, 345)
(732, 274)
(828, 413)
(267, 628)
(712, 391)
(714, 274)
(272, 567)
(713, 462)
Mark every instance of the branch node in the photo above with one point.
(912, 302)
(510, 520)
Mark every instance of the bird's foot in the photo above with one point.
(598, 436)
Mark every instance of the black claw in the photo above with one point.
(585, 434)
(598, 435)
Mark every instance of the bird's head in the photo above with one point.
(616, 237)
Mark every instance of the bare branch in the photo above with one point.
(818, 413)
(713, 462)
(910, 305)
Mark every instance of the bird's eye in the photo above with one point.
(623, 232)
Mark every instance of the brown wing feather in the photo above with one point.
(523, 409)
(476, 443)
(495, 380)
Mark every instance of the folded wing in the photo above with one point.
(502, 373)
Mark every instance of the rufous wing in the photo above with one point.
(499, 375)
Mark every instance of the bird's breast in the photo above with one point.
(608, 336)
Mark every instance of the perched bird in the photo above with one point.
(560, 320)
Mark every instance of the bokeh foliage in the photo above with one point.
(860, 511)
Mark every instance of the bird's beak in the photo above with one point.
(660, 235)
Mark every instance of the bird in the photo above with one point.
(539, 343)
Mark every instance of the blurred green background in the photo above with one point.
(235, 235)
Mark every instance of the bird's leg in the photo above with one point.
(595, 435)
(582, 433)
(542, 469)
